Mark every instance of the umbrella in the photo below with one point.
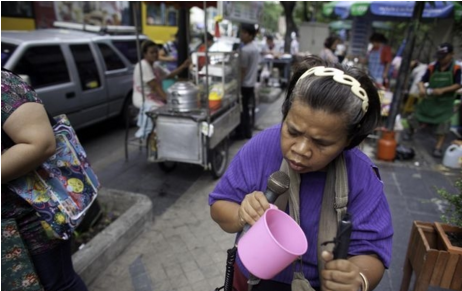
(391, 9)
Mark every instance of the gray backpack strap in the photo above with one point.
(336, 194)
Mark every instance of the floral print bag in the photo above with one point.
(63, 188)
(18, 272)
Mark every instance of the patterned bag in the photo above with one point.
(63, 188)
(18, 272)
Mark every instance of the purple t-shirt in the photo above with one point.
(371, 218)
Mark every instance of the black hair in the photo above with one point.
(324, 93)
(378, 37)
(269, 37)
(209, 36)
(249, 28)
(330, 41)
(146, 45)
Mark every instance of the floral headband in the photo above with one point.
(340, 77)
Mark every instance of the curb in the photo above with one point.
(105, 247)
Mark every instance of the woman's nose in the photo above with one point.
(302, 148)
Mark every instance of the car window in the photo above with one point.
(7, 50)
(111, 59)
(86, 66)
(45, 66)
(128, 49)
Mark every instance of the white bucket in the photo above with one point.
(453, 157)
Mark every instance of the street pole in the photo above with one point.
(405, 63)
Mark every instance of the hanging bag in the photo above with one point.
(63, 188)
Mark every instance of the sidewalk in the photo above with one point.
(183, 249)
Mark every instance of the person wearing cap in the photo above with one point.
(248, 58)
(437, 106)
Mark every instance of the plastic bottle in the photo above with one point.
(386, 149)
(453, 157)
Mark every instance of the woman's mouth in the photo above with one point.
(297, 167)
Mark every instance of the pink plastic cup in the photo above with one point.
(271, 244)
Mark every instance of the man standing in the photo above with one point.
(444, 79)
(379, 59)
(249, 57)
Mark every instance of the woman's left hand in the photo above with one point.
(340, 275)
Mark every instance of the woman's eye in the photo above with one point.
(292, 133)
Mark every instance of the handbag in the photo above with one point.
(63, 188)
(18, 273)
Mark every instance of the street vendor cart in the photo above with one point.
(199, 116)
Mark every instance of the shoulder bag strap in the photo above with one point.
(336, 193)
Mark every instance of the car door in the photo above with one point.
(91, 85)
(118, 77)
(48, 72)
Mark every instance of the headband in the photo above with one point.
(340, 77)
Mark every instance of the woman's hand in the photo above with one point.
(252, 207)
(340, 275)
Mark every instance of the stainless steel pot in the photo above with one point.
(183, 97)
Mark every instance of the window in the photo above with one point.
(161, 15)
(128, 49)
(86, 66)
(23, 9)
(111, 59)
(45, 66)
(7, 50)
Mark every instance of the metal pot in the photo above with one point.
(183, 97)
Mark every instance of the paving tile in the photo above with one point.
(195, 276)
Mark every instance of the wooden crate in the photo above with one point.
(432, 266)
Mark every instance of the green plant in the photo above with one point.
(453, 212)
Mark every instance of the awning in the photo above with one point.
(391, 9)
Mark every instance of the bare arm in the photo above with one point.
(179, 69)
(243, 71)
(226, 214)
(164, 57)
(232, 217)
(30, 130)
(344, 274)
(448, 89)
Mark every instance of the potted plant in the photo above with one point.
(433, 262)
(450, 232)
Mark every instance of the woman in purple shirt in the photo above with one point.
(329, 110)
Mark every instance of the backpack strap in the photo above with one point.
(334, 202)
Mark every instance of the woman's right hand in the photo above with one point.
(252, 207)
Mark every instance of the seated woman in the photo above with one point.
(150, 85)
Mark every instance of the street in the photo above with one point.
(184, 249)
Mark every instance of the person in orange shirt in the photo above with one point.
(201, 60)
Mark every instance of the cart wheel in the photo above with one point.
(219, 158)
(167, 167)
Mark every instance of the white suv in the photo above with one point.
(87, 76)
